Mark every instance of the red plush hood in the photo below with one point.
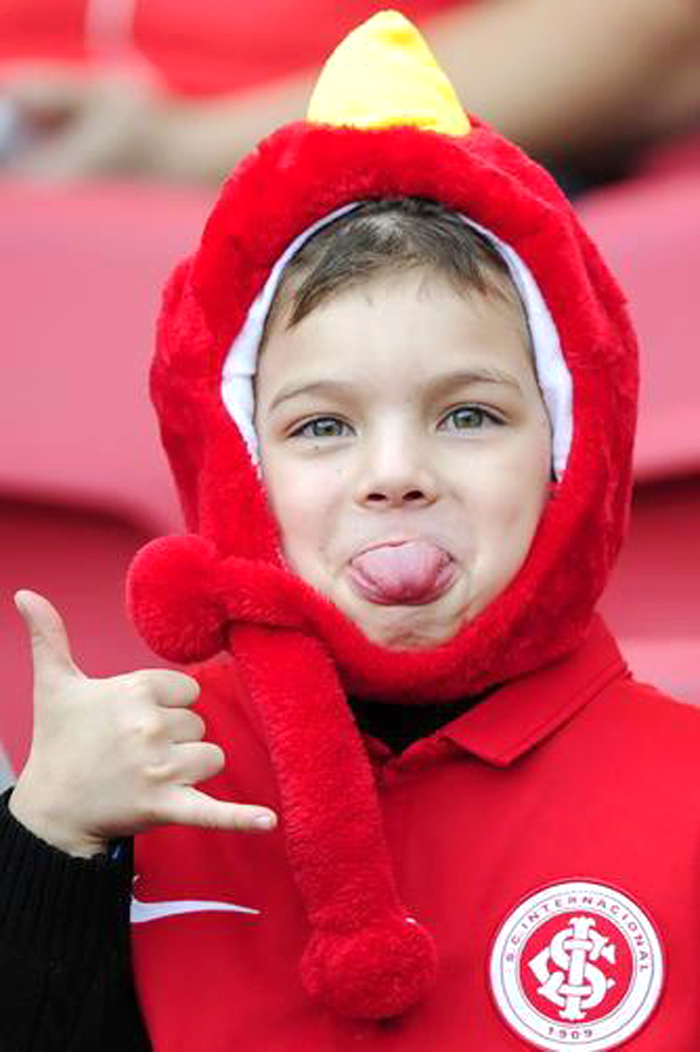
(225, 584)
(298, 175)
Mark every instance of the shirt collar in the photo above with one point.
(519, 715)
(515, 717)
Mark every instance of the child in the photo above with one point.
(397, 388)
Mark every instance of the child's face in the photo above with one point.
(406, 452)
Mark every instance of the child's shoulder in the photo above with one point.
(651, 704)
(635, 752)
(640, 719)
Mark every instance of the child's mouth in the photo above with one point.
(406, 573)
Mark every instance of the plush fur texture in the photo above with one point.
(226, 585)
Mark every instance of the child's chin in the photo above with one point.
(406, 627)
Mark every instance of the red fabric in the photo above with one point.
(298, 175)
(189, 595)
(218, 46)
(641, 225)
(554, 777)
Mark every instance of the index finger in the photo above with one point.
(169, 687)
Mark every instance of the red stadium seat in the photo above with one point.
(649, 230)
(83, 482)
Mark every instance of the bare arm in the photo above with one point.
(564, 78)
(558, 76)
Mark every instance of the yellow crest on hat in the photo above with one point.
(382, 75)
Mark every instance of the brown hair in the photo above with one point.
(389, 236)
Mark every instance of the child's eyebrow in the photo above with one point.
(322, 387)
(460, 378)
(467, 377)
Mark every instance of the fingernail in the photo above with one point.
(265, 821)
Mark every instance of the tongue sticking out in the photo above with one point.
(408, 574)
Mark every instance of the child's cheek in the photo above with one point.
(303, 494)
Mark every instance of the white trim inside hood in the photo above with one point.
(554, 378)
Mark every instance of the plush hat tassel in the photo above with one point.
(365, 958)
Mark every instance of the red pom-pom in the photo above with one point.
(374, 973)
(173, 598)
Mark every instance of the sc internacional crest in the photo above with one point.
(577, 965)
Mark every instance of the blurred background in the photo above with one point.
(119, 118)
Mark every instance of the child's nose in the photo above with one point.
(387, 495)
(396, 477)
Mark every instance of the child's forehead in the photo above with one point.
(375, 295)
(406, 329)
(383, 238)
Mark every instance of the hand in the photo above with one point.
(113, 757)
(72, 124)
(65, 124)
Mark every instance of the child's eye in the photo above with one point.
(469, 418)
(323, 427)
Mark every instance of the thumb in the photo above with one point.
(47, 633)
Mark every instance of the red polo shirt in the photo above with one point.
(548, 839)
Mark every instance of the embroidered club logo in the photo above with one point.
(577, 965)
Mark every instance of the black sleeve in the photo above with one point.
(65, 964)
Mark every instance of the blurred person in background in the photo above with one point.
(178, 91)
